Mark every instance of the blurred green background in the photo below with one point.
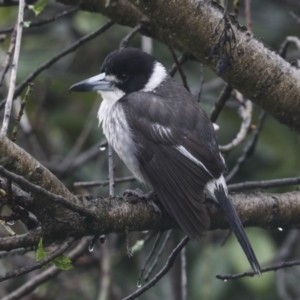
(57, 119)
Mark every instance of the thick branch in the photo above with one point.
(260, 74)
(16, 160)
(114, 214)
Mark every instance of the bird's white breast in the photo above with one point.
(117, 131)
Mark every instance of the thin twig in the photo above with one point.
(159, 253)
(178, 64)
(248, 15)
(152, 252)
(249, 148)
(68, 161)
(288, 245)
(15, 252)
(125, 41)
(111, 171)
(104, 182)
(246, 114)
(105, 278)
(295, 17)
(33, 283)
(18, 118)
(5, 65)
(14, 68)
(263, 184)
(80, 160)
(224, 96)
(183, 282)
(57, 57)
(162, 272)
(29, 239)
(39, 190)
(182, 59)
(43, 22)
(16, 273)
(129, 251)
(201, 82)
(263, 270)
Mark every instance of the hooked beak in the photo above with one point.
(96, 83)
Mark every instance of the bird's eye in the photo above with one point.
(124, 77)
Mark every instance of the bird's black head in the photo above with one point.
(127, 70)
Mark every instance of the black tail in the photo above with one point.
(237, 227)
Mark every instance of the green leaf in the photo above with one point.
(40, 252)
(62, 262)
(26, 24)
(138, 246)
(38, 7)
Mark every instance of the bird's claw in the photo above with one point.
(145, 196)
(137, 192)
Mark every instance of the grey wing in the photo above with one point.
(174, 156)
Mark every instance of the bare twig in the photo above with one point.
(105, 278)
(248, 15)
(182, 59)
(129, 251)
(28, 239)
(162, 272)
(224, 96)
(33, 283)
(54, 59)
(263, 270)
(246, 114)
(14, 67)
(287, 245)
(18, 118)
(281, 285)
(296, 18)
(5, 65)
(68, 161)
(79, 161)
(152, 252)
(178, 64)
(111, 171)
(263, 184)
(183, 282)
(104, 182)
(43, 22)
(65, 245)
(249, 148)
(39, 190)
(15, 252)
(201, 82)
(125, 41)
(162, 248)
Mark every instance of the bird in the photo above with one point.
(166, 140)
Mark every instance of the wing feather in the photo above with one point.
(160, 124)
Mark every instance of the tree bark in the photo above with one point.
(257, 72)
(115, 214)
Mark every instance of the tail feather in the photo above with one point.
(237, 227)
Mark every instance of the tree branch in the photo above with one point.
(37, 265)
(114, 214)
(278, 92)
(33, 283)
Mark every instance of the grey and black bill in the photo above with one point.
(165, 139)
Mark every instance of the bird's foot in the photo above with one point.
(145, 196)
(137, 192)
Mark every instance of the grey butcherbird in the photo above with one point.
(165, 139)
